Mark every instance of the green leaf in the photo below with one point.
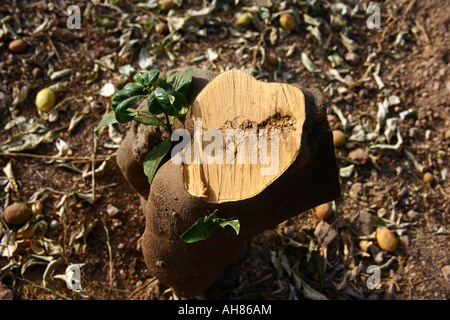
(163, 83)
(138, 78)
(154, 158)
(230, 223)
(179, 103)
(203, 227)
(144, 78)
(118, 97)
(108, 119)
(133, 89)
(172, 76)
(122, 113)
(152, 76)
(201, 230)
(153, 105)
(183, 81)
(164, 102)
(147, 118)
(128, 91)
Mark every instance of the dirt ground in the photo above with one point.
(95, 219)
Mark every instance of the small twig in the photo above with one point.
(348, 160)
(410, 5)
(422, 29)
(94, 152)
(255, 53)
(67, 99)
(103, 187)
(258, 282)
(152, 280)
(385, 31)
(110, 258)
(54, 48)
(441, 190)
(88, 191)
(41, 156)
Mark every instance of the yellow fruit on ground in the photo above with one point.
(17, 46)
(45, 99)
(427, 177)
(166, 5)
(244, 20)
(338, 138)
(16, 213)
(287, 21)
(386, 239)
(271, 60)
(162, 28)
(323, 211)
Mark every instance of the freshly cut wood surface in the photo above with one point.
(235, 100)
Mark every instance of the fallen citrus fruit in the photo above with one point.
(244, 20)
(287, 21)
(338, 138)
(45, 100)
(16, 213)
(386, 239)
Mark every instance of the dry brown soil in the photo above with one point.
(416, 72)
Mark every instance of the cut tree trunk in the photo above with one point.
(259, 152)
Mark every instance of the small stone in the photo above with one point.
(413, 215)
(112, 210)
(363, 93)
(404, 240)
(359, 155)
(111, 41)
(4, 100)
(53, 224)
(17, 46)
(352, 58)
(160, 263)
(37, 73)
(5, 292)
(446, 272)
(356, 190)
(63, 33)
(363, 223)
(96, 106)
(325, 233)
(447, 135)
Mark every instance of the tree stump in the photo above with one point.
(259, 152)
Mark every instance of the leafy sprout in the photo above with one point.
(203, 228)
(165, 95)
